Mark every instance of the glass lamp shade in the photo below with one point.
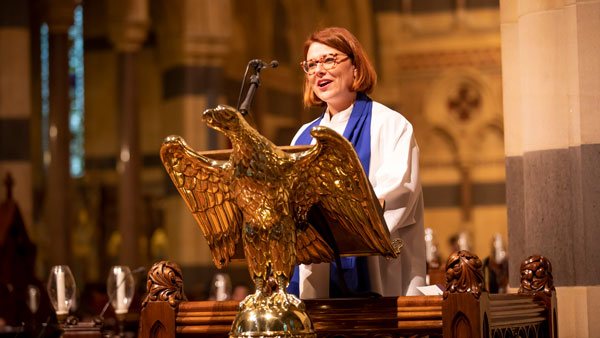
(120, 287)
(220, 288)
(61, 289)
(32, 298)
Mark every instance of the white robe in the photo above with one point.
(394, 175)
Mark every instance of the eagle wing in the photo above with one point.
(203, 184)
(342, 206)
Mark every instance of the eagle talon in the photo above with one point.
(280, 300)
(284, 300)
(253, 301)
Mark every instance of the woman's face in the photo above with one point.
(333, 85)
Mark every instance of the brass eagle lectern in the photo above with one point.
(277, 209)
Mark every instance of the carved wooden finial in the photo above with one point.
(9, 182)
(464, 274)
(536, 275)
(165, 283)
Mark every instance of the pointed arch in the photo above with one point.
(158, 330)
(461, 327)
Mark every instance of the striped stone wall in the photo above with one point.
(551, 81)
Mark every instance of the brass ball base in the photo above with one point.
(269, 319)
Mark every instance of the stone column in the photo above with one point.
(15, 104)
(58, 215)
(192, 47)
(551, 81)
(128, 24)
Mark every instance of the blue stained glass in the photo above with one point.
(76, 93)
(44, 79)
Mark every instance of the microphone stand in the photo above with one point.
(254, 83)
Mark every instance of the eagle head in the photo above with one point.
(223, 118)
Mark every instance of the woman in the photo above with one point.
(338, 76)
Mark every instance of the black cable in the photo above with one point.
(237, 107)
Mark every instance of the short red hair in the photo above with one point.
(342, 40)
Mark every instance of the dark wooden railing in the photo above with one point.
(464, 310)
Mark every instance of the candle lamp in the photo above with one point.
(220, 289)
(61, 290)
(32, 299)
(120, 287)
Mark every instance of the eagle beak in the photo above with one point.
(207, 116)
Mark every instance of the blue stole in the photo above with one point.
(358, 132)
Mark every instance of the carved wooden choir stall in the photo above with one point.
(464, 310)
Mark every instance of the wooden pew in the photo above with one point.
(465, 309)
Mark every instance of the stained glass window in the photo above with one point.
(76, 93)
(44, 77)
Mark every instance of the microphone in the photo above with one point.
(259, 64)
(113, 294)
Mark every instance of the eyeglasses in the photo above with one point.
(328, 61)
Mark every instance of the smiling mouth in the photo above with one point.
(323, 83)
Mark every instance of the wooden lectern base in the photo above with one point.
(397, 316)
(465, 309)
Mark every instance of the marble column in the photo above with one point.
(192, 48)
(551, 81)
(128, 25)
(58, 214)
